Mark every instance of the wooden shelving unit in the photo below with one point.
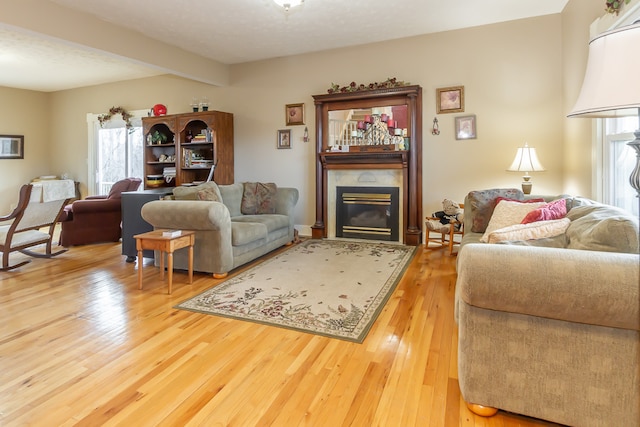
(166, 138)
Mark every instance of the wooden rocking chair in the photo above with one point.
(445, 233)
(24, 230)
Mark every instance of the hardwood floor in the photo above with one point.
(81, 345)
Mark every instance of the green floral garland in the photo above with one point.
(613, 6)
(353, 87)
(102, 118)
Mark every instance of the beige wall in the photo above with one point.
(24, 112)
(577, 137)
(514, 92)
(514, 75)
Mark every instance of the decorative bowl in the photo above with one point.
(155, 182)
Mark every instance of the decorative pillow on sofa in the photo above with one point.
(508, 213)
(191, 193)
(482, 204)
(602, 228)
(258, 198)
(559, 241)
(209, 194)
(530, 231)
(553, 210)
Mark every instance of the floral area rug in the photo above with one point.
(334, 288)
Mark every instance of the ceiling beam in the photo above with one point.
(87, 31)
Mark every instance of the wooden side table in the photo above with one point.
(154, 240)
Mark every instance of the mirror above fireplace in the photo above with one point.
(379, 125)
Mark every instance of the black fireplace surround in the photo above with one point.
(368, 213)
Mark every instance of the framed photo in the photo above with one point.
(466, 127)
(294, 114)
(284, 138)
(11, 146)
(450, 99)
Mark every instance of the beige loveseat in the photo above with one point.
(550, 328)
(225, 237)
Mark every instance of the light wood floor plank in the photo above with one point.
(80, 345)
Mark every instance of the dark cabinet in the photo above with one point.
(132, 222)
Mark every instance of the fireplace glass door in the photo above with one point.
(367, 213)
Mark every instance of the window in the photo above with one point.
(115, 152)
(615, 159)
(619, 161)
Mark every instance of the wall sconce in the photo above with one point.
(435, 130)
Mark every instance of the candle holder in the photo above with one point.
(204, 104)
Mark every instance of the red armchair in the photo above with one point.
(97, 218)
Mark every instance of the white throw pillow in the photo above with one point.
(508, 213)
(530, 231)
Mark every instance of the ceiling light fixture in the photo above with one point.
(288, 4)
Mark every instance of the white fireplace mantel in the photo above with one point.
(359, 178)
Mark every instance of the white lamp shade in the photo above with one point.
(526, 161)
(611, 86)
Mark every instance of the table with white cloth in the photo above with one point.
(53, 189)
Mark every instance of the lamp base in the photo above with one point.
(634, 178)
(526, 184)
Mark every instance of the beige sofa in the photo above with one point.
(225, 237)
(551, 331)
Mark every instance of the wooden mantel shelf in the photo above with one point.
(364, 159)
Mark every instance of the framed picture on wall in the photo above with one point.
(450, 99)
(11, 146)
(284, 138)
(294, 114)
(466, 127)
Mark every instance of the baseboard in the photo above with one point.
(303, 230)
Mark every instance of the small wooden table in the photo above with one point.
(154, 240)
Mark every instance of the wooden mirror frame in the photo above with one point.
(410, 161)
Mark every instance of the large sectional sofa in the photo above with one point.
(226, 237)
(550, 327)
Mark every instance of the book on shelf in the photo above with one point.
(171, 233)
(186, 157)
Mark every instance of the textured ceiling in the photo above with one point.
(33, 62)
(236, 31)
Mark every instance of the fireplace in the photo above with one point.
(367, 213)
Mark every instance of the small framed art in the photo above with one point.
(450, 99)
(294, 114)
(11, 146)
(466, 127)
(284, 138)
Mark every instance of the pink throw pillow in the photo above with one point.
(553, 210)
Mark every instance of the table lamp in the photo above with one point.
(526, 161)
(611, 87)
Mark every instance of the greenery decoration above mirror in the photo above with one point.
(354, 87)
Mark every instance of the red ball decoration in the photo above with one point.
(159, 110)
